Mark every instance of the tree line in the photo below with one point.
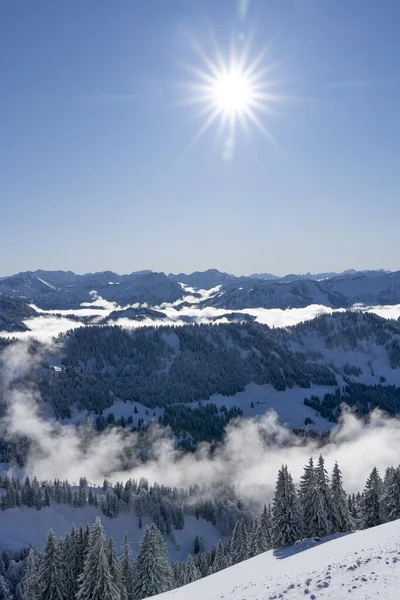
(83, 564)
(166, 506)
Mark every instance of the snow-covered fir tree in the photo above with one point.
(153, 574)
(127, 568)
(220, 561)
(30, 582)
(72, 563)
(313, 508)
(259, 542)
(4, 591)
(96, 582)
(340, 515)
(286, 522)
(371, 508)
(325, 490)
(266, 525)
(391, 495)
(51, 583)
(115, 569)
(238, 545)
(191, 571)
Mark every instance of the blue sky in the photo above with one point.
(95, 170)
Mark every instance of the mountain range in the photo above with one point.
(67, 290)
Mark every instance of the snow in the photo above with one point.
(119, 408)
(20, 527)
(371, 357)
(361, 566)
(288, 404)
(46, 283)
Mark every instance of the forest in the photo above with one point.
(85, 564)
(172, 365)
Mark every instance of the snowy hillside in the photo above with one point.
(70, 290)
(21, 527)
(362, 346)
(338, 292)
(12, 313)
(364, 565)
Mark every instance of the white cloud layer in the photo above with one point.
(251, 453)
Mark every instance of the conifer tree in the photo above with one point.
(153, 574)
(79, 554)
(204, 563)
(127, 568)
(64, 565)
(196, 545)
(4, 591)
(238, 549)
(220, 560)
(51, 585)
(266, 525)
(191, 571)
(286, 523)
(371, 511)
(95, 582)
(326, 493)
(391, 496)
(115, 569)
(314, 514)
(71, 568)
(30, 581)
(259, 542)
(341, 517)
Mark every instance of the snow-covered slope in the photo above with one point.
(339, 292)
(364, 566)
(70, 290)
(352, 339)
(12, 313)
(21, 527)
(273, 294)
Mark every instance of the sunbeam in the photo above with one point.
(232, 91)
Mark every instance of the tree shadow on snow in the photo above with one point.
(302, 545)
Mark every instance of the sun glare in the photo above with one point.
(231, 92)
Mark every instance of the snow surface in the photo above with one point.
(363, 566)
(20, 527)
(288, 404)
(372, 358)
(119, 408)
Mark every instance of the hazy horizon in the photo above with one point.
(236, 274)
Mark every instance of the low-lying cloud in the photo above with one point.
(51, 323)
(251, 453)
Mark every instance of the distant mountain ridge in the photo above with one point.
(66, 289)
(338, 292)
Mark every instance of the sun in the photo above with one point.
(232, 91)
